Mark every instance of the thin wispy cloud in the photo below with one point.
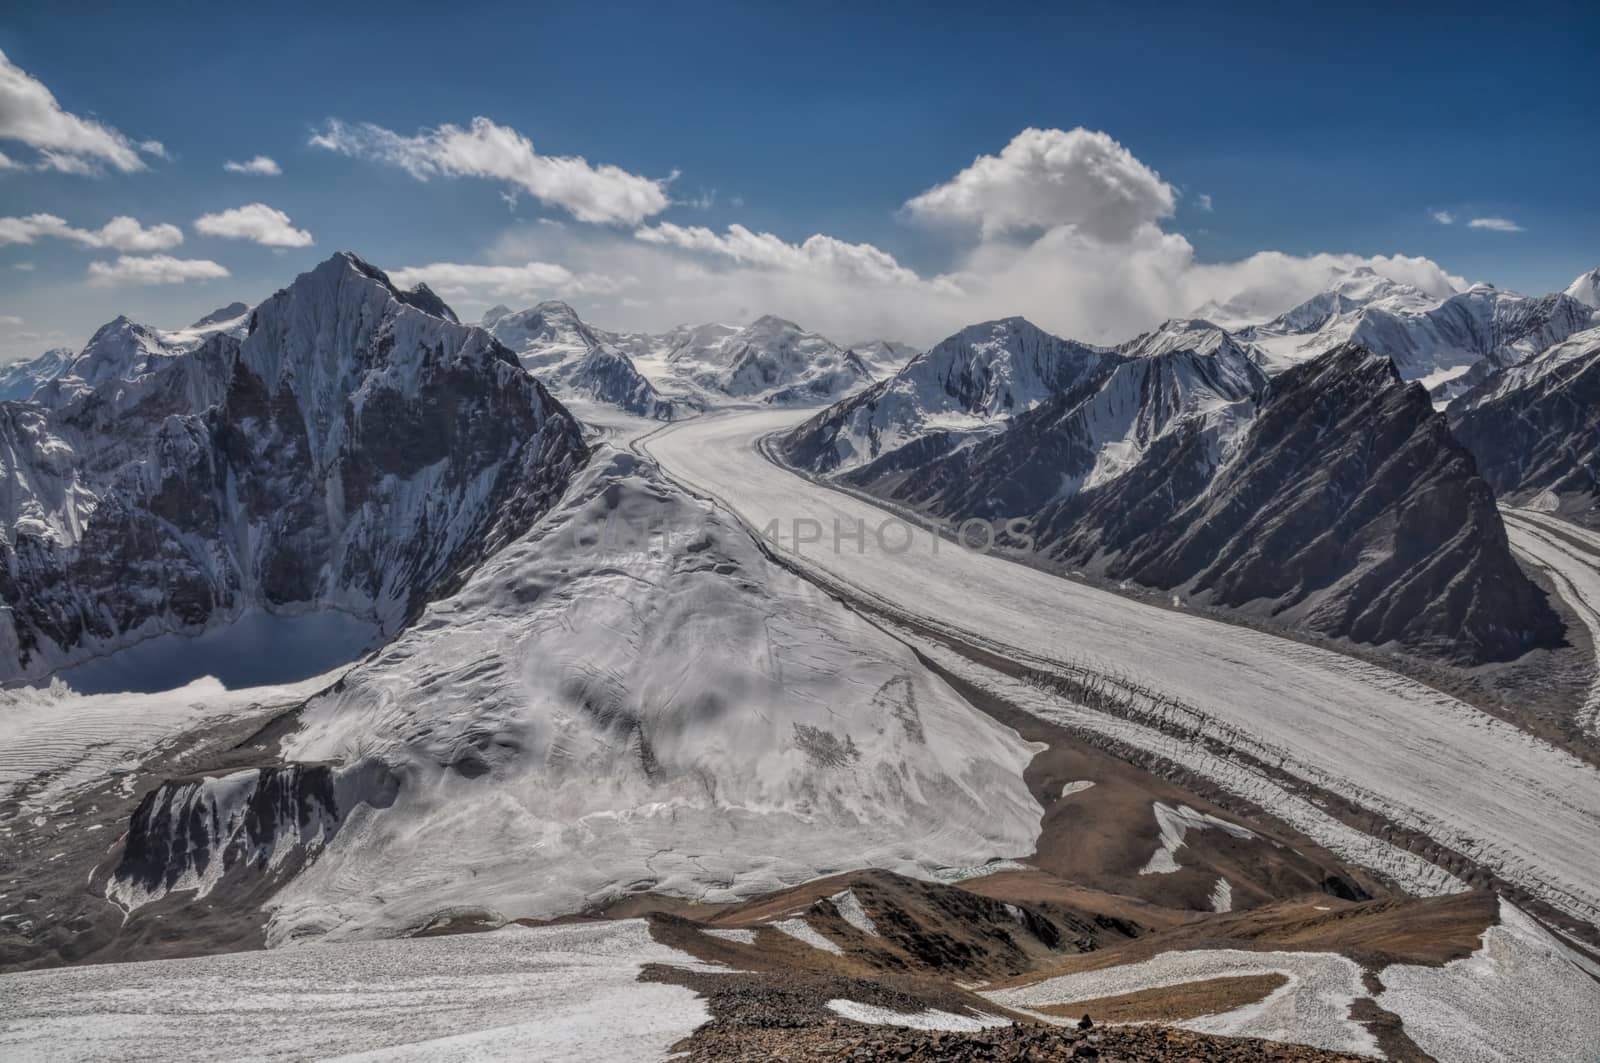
(600, 194)
(260, 166)
(255, 222)
(121, 233)
(1497, 225)
(529, 282)
(31, 115)
(1203, 201)
(1443, 217)
(150, 270)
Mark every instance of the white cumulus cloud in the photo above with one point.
(256, 222)
(121, 233)
(152, 270)
(30, 114)
(1050, 177)
(260, 166)
(1498, 225)
(601, 194)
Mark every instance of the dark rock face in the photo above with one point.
(354, 451)
(1535, 428)
(188, 834)
(1334, 499)
(1346, 508)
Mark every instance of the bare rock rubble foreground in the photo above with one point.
(734, 1041)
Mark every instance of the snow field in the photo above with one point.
(552, 993)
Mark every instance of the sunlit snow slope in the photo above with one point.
(633, 697)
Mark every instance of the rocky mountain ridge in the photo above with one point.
(351, 451)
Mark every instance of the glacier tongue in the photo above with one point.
(632, 697)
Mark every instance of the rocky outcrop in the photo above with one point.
(188, 835)
(357, 450)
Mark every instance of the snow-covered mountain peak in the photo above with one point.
(562, 350)
(1438, 341)
(222, 315)
(343, 331)
(1586, 289)
(350, 453)
(121, 350)
(967, 383)
(1184, 334)
(421, 297)
(884, 357)
(545, 333)
(19, 380)
(1002, 366)
(493, 314)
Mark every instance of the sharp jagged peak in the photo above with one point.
(421, 297)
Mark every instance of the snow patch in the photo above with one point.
(1222, 896)
(1311, 1008)
(805, 933)
(927, 1019)
(850, 911)
(1522, 995)
(1175, 824)
(559, 993)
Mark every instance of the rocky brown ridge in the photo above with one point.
(729, 1042)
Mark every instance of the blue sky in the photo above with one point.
(1310, 130)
